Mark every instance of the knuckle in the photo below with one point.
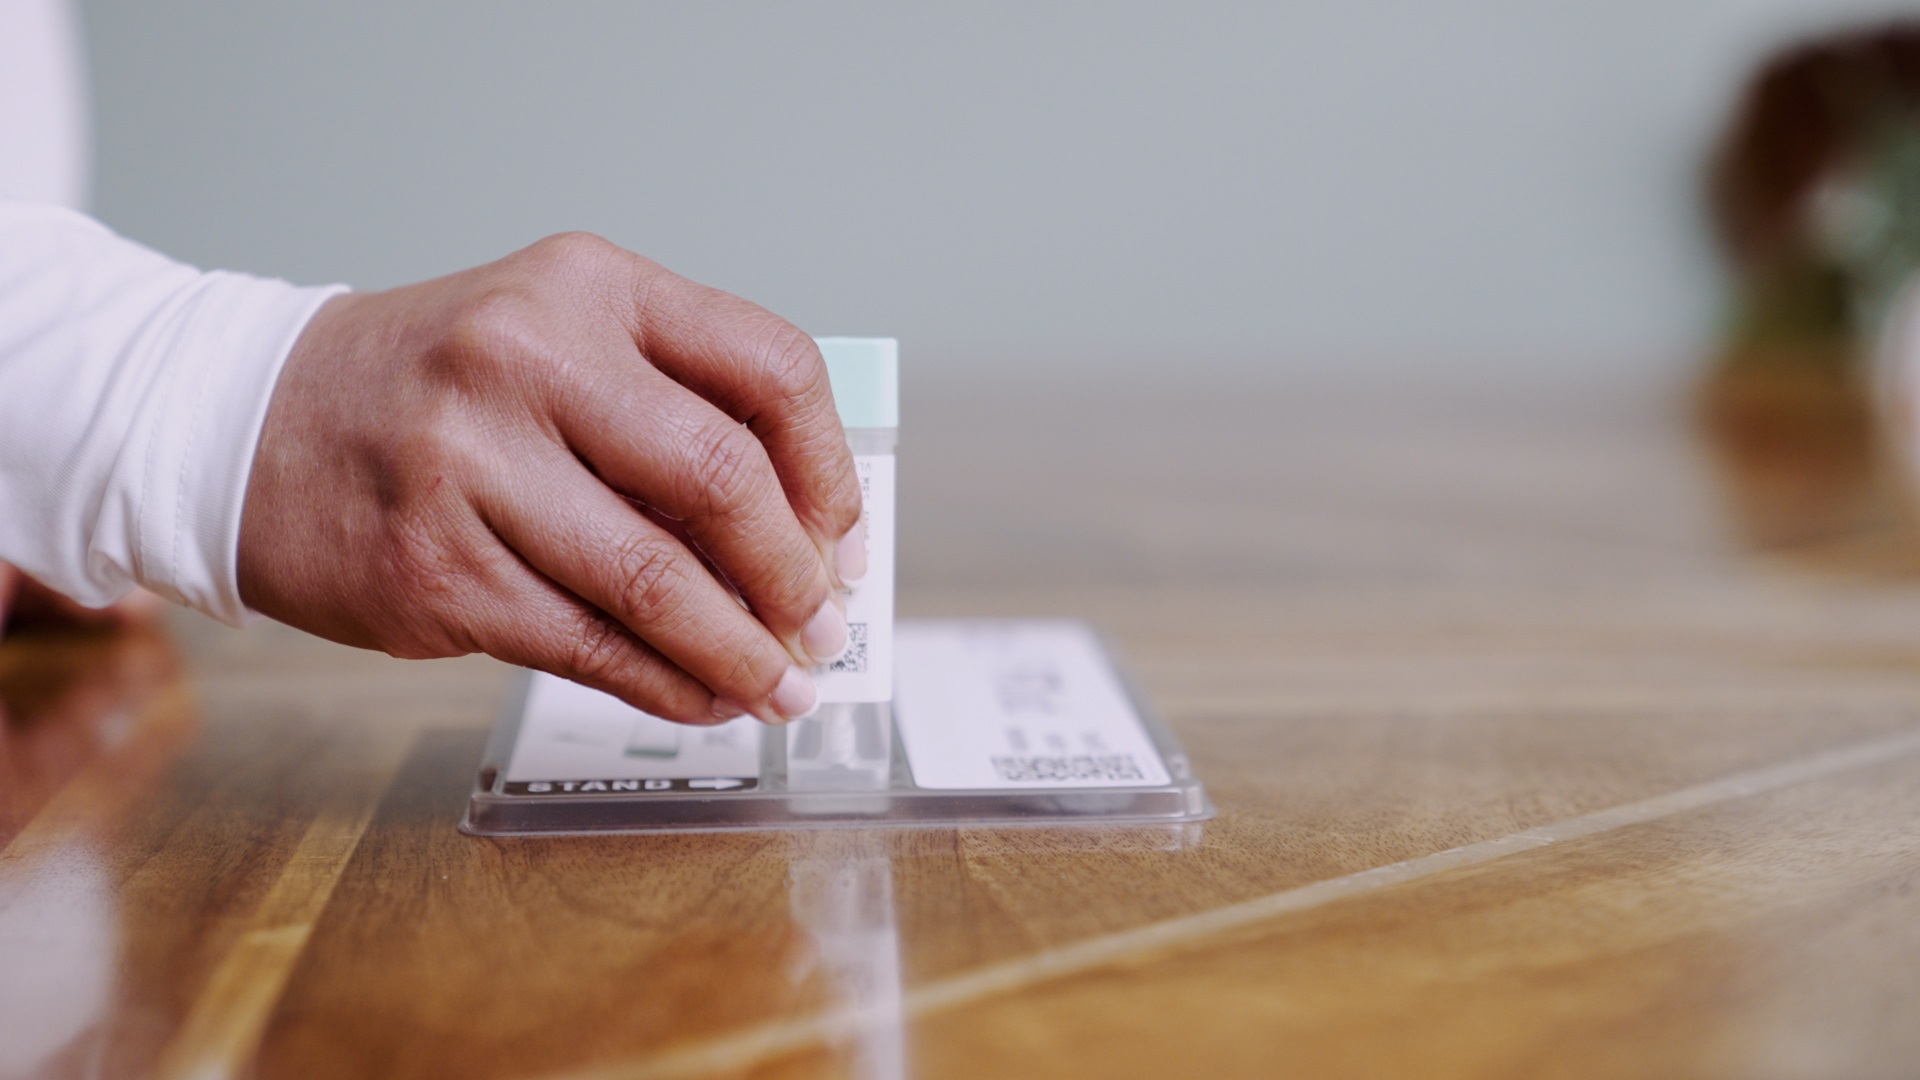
(833, 498)
(785, 581)
(728, 461)
(486, 323)
(575, 280)
(599, 651)
(427, 562)
(649, 585)
(418, 556)
(790, 364)
(493, 336)
(795, 586)
(431, 576)
(749, 677)
(585, 268)
(576, 248)
(423, 472)
(840, 498)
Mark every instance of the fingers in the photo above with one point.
(657, 443)
(544, 628)
(766, 373)
(574, 530)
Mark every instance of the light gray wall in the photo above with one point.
(1449, 185)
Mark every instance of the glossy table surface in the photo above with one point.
(1552, 734)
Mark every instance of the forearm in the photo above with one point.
(132, 391)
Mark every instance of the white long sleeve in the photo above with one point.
(132, 393)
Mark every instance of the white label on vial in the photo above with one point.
(865, 673)
(1026, 705)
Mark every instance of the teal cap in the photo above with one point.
(865, 373)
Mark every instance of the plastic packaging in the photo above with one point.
(998, 722)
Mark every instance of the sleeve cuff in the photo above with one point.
(229, 348)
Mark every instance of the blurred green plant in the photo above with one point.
(1871, 225)
(1816, 193)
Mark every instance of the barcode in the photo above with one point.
(855, 658)
(1065, 767)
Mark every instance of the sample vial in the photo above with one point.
(847, 745)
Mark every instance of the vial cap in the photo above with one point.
(865, 373)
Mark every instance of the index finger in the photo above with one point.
(766, 373)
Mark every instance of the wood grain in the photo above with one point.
(1771, 936)
(1386, 627)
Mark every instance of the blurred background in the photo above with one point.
(1450, 189)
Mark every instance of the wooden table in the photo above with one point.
(1528, 764)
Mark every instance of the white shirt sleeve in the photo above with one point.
(132, 392)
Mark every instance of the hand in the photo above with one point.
(570, 459)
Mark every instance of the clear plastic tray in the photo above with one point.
(885, 795)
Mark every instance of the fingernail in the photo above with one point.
(726, 710)
(795, 698)
(850, 555)
(825, 635)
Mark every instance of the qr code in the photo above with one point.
(1044, 767)
(855, 658)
